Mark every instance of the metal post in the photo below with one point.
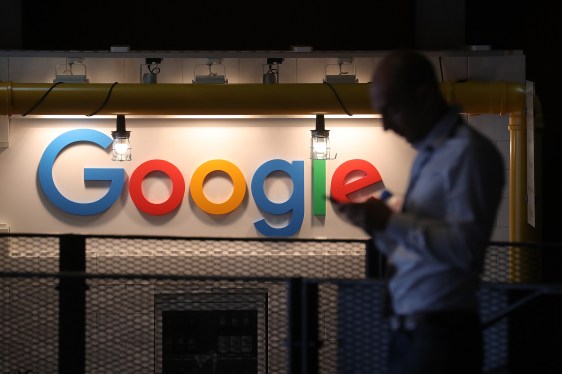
(374, 261)
(309, 317)
(303, 327)
(72, 305)
(294, 334)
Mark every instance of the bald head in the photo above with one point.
(405, 91)
(405, 71)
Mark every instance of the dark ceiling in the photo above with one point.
(208, 25)
(232, 25)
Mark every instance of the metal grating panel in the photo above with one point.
(127, 276)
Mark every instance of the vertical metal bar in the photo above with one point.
(72, 305)
(303, 327)
(295, 326)
(309, 317)
(374, 262)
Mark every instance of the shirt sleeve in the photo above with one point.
(460, 235)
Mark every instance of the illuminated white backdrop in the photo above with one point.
(187, 143)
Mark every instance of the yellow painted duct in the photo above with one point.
(235, 99)
(185, 99)
(486, 97)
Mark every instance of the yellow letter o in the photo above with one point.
(198, 179)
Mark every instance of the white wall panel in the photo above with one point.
(34, 69)
(365, 66)
(132, 73)
(288, 71)
(105, 70)
(252, 70)
(312, 70)
(480, 68)
(494, 68)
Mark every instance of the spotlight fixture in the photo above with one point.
(213, 77)
(272, 74)
(150, 69)
(345, 74)
(320, 141)
(73, 71)
(121, 144)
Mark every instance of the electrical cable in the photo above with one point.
(339, 99)
(154, 69)
(105, 101)
(41, 99)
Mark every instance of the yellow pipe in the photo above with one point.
(517, 193)
(518, 178)
(486, 97)
(187, 99)
(236, 99)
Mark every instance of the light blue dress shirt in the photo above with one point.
(438, 242)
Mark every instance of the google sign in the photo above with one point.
(340, 186)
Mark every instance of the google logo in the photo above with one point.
(340, 187)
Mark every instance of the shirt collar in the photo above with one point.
(440, 131)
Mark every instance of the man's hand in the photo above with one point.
(370, 215)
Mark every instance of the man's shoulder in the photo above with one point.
(469, 143)
(475, 138)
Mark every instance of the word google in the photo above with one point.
(339, 189)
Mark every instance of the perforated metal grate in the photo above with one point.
(134, 283)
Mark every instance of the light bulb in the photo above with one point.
(320, 148)
(121, 146)
(121, 149)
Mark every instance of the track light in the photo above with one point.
(212, 77)
(150, 70)
(320, 141)
(272, 74)
(345, 73)
(73, 71)
(121, 145)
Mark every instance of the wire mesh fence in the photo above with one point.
(201, 305)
